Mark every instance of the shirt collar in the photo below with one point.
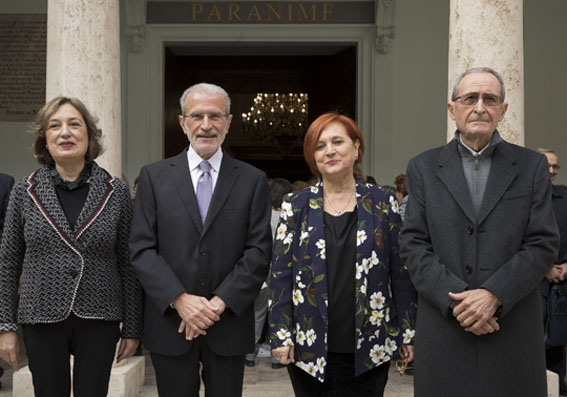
(195, 159)
(496, 139)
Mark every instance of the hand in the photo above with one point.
(563, 268)
(126, 348)
(556, 273)
(407, 353)
(219, 304)
(284, 354)
(9, 348)
(475, 309)
(196, 313)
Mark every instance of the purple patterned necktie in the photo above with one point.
(204, 189)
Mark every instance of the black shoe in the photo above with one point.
(250, 363)
(277, 365)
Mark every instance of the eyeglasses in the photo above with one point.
(199, 117)
(472, 100)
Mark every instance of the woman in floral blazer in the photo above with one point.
(371, 297)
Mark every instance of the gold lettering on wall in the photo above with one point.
(254, 11)
(233, 10)
(272, 10)
(214, 11)
(197, 9)
(327, 10)
(303, 13)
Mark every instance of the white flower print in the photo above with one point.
(298, 282)
(363, 288)
(408, 335)
(366, 265)
(377, 353)
(377, 333)
(303, 238)
(360, 237)
(297, 297)
(286, 210)
(311, 336)
(377, 300)
(314, 189)
(321, 245)
(281, 232)
(376, 317)
(309, 367)
(288, 239)
(374, 258)
(394, 205)
(300, 338)
(387, 316)
(359, 343)
(287, 342)
(391, 346)
(321, 364)
(283, 334)
(359, 270)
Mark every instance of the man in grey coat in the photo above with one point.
(478, 237)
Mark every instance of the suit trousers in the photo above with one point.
(49, 346)
(178, 376)
(339, 379)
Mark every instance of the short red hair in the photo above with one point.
(314, 133)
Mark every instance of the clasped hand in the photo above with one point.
(474, 310)
(197, 313)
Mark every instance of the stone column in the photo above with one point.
(83, 61)
(490, 33)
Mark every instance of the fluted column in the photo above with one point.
(490, 33)
(83, 61)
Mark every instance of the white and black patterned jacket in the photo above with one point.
(85, 271)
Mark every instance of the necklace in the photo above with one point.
(342, 210)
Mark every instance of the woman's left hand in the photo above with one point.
(126, 348)
(407, 353)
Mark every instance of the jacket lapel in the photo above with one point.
(101, 188)
(228, 176)
(42, 192)
(179, 168)
(502, 173)
(451, 173)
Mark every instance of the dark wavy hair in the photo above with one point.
(39, 127)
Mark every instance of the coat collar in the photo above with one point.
(42, 191)
(502, 173)
(182, 180)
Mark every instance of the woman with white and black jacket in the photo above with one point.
(65, 247)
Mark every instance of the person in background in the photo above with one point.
(342, 303)
(401, 189)
(555, 355)
(6, 183)
(66, 274)
(279, 187)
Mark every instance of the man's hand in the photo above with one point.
(556, 273)
(475, 309)
(9, 348)
(407, 353)
(219, 304)
(197, 314)
(284, 354)
(126, 348)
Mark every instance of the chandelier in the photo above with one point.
(277, 117)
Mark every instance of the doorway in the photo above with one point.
(327, 73)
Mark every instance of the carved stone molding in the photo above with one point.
(385, 28)
(135, 28)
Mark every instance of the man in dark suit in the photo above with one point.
(6, 183)
(201, 245)
(478, 237)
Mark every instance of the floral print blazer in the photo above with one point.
(385, 302)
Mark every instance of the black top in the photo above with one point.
(72, 195)
(340, 236)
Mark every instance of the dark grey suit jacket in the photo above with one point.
(228, 256)
(506, 249)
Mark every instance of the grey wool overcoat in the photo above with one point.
(507, 248)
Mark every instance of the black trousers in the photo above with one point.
(178, 376)
(555, 360)
(339, 379)
(49, 346)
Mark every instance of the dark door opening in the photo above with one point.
(326, 74)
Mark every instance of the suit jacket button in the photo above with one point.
(468, 269)
(202, 282)
(203, 253)
(470, 230)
